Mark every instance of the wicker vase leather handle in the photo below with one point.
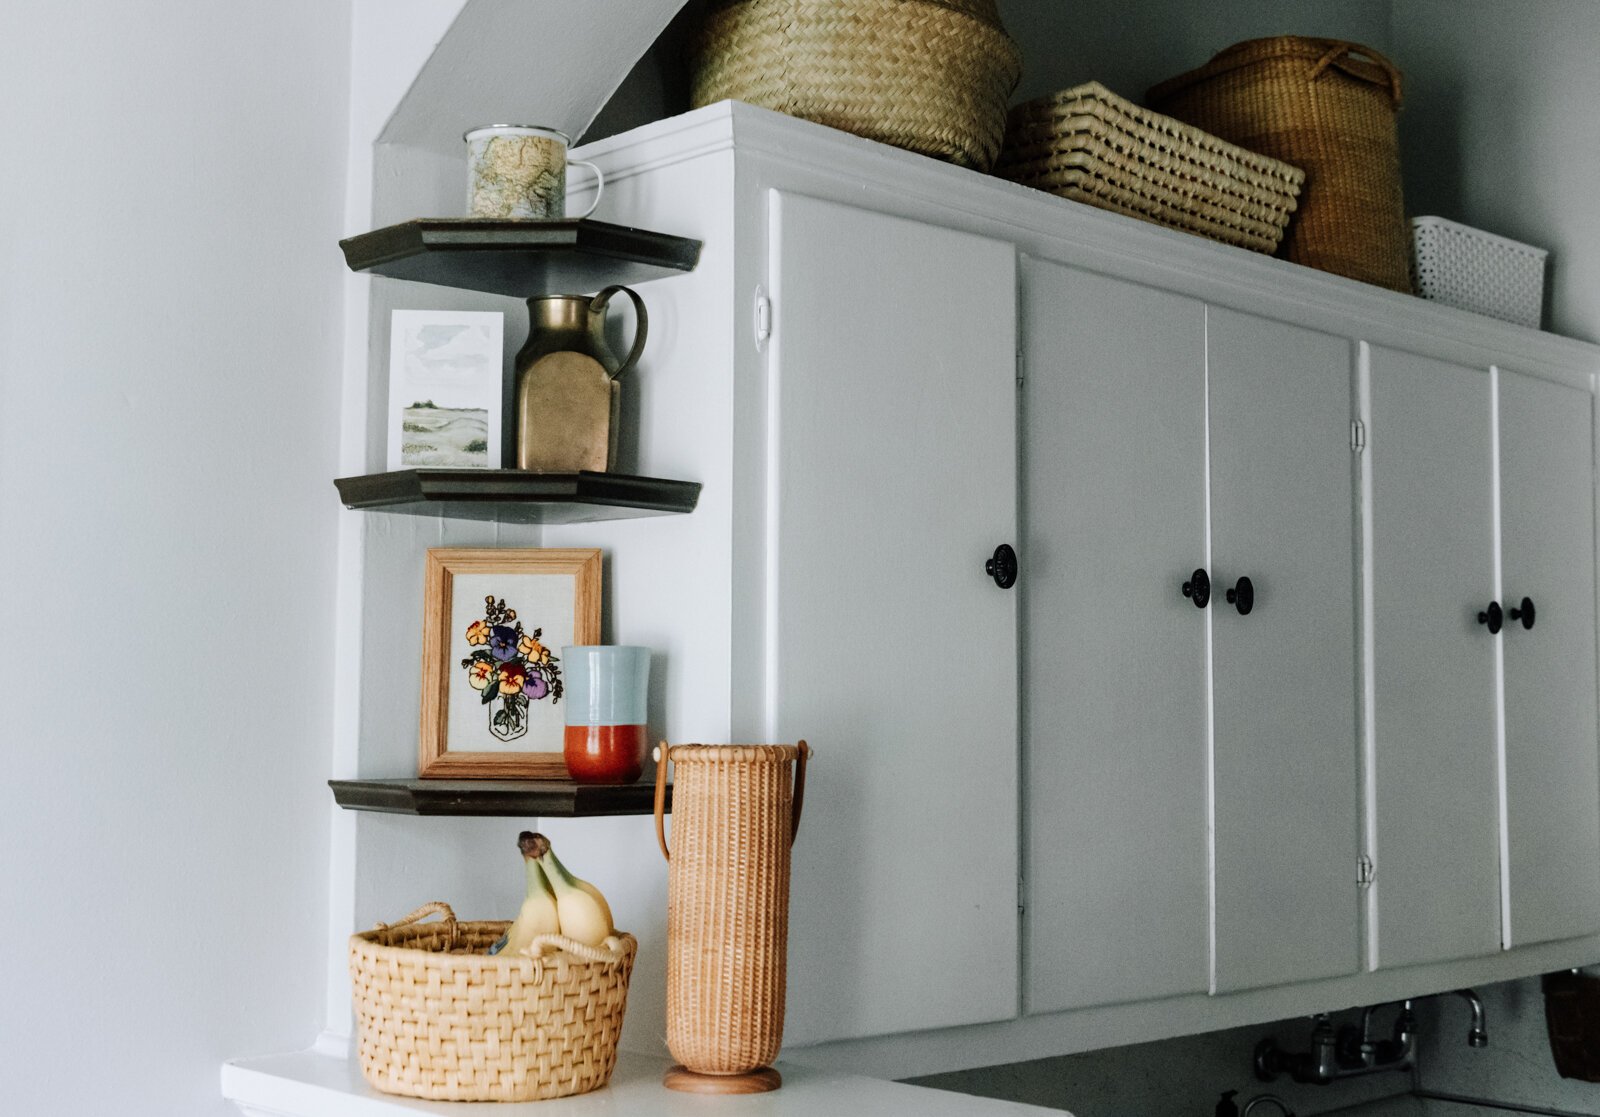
(663, 752)
(804, 753)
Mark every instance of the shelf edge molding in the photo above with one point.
(518, 496)
(519, 258)
(496, 798)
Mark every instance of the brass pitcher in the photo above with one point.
(567, 389)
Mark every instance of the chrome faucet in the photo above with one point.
(1347, 1054)
(1477, 1036)
(1260, 1099)
(1355, 1051)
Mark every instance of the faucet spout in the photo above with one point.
(1477, 1036)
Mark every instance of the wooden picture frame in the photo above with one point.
(493, 625)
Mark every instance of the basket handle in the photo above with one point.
(438, 907)
(1358, 61)
(603, 953)
(803, 753)
(663, 752)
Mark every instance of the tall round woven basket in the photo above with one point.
(735, 813)
(438, 1018)
(931, 76)
(1328, 107)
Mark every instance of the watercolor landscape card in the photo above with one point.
(445, 389)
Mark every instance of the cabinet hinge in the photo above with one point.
(1022, 896)
(1358, 435)
(763, 319)
(1366, 871)
(1019, 368)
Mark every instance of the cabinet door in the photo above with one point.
(892, 428)
(1547, 555)
(1285, 765)
(1114, 661)
(1434, 746)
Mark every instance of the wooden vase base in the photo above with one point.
(757, 1081)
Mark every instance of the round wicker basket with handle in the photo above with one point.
(734, 818)
(438, 1018)
(931, 76)
(1328, 107)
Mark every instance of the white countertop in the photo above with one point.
(315, 1083)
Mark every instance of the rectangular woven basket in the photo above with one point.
(439, 1018)
(1090, 145)
(1464, 267)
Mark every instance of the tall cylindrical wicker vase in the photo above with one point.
(734, 817)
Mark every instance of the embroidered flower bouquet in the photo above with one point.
(510, 668)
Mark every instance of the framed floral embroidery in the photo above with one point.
(493, 626)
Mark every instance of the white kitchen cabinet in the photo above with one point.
(1164, 436)
(1285, 752)
(1547, 541)
(1484, 743)
(844, 364)
(891, 446)
(1433, 669)
(1114, 659)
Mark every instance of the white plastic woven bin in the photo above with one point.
(1468, 268)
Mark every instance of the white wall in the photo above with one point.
(169, 348)
(1129, 47)
(1500, 131)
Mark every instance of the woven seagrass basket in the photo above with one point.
(438, 1018)
(1092, 146)
(1328, 107)
(931, 76)
(735, 813)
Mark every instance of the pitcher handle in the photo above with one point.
(641, 322)
(803, 753)
(661, 753)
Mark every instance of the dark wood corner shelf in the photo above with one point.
(517, 496)
(519, 258)
(497, 798)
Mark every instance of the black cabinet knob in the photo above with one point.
(1003, 567)
(1198, 588)
(1523, 612)
(1492, 617)
(1243, 596)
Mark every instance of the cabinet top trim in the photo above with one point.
(1073, 233)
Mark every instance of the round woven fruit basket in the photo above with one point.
(931, 76)
(438, 1018)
